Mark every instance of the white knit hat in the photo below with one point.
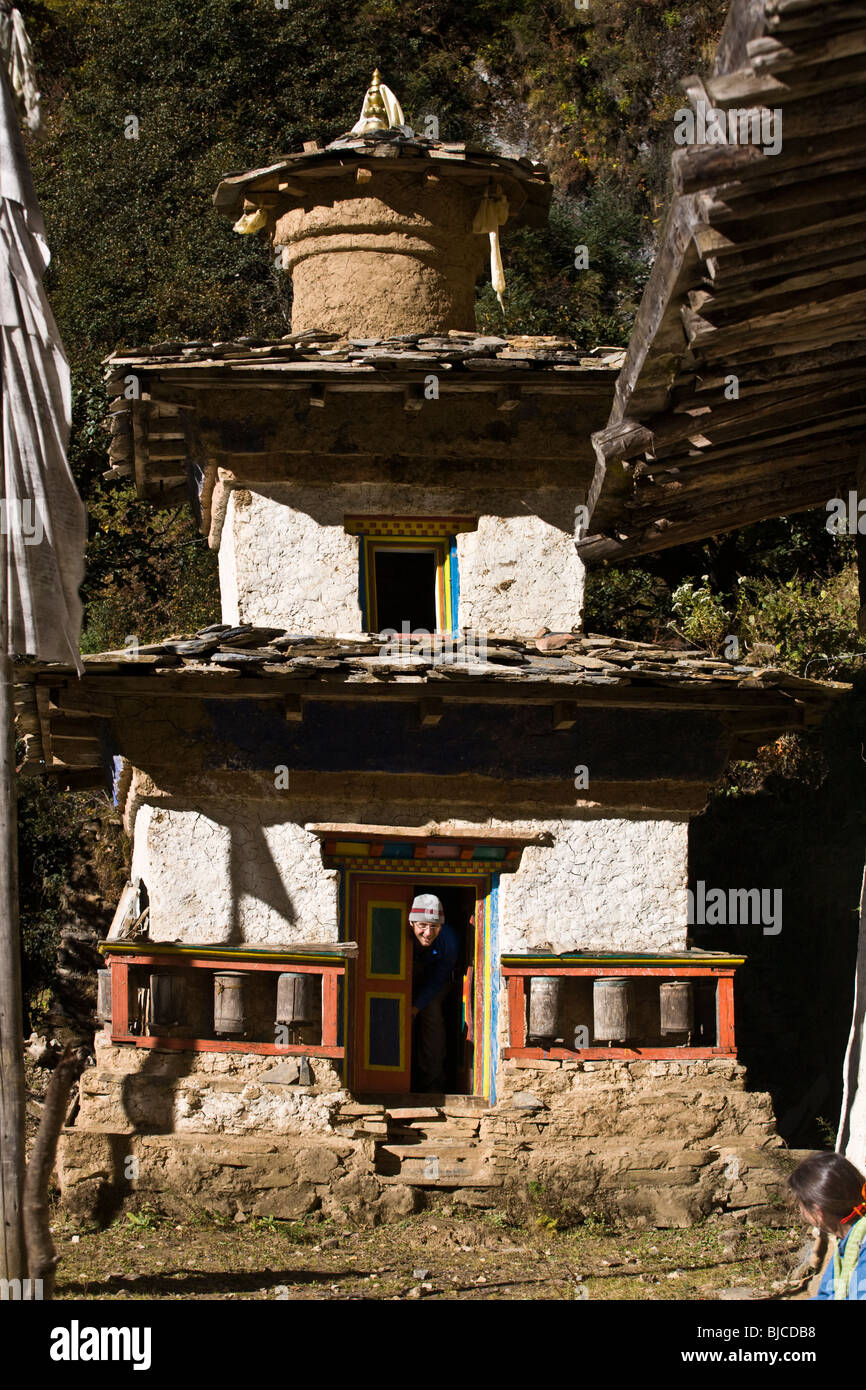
(426, 908)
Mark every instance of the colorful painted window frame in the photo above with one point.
(432, 534)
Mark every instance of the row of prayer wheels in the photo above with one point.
(613, 1008)
(168, 1003)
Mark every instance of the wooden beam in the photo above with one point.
(516, 1011)
(860, 544)
(430, 711)
(293, 709)
(565, 714)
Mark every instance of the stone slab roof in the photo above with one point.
(305, 173)
(563, 670)
(455, 351)
(165, 395)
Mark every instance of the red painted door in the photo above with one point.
(382, 1005)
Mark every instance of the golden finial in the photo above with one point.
(381, 109)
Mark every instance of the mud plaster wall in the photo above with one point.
(612, 882)
(285, 558)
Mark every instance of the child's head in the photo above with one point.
(828, 1189)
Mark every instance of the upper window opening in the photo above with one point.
(408, 579)
(404, 584)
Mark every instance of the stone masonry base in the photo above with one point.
(659, 1142)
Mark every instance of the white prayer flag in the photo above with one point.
(42, 516)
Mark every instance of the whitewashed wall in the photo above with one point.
(286, 560)
(617, 883)
(613, 883)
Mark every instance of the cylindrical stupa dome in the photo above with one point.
(393, 254)
(385, 232)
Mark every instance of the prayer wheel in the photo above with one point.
(167, 999)
(612, 1010)
(229, 1005)
(103, 996)
(545, 994)
(296, 996)
(676, 1007)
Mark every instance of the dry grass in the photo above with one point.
(468, 1256)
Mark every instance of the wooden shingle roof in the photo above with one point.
(743, 394)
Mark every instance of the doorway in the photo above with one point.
(379, 1024)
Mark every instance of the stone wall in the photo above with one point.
(286, 559)
(233, 878)
(658, 1142)
(231, 873)
(669, 1141)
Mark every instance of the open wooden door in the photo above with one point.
(381, 1027)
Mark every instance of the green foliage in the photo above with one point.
(789, 597)
(628, 602)
(546, 293)
(812, 623)
(806, 624)
(146, 1219)
(827, 1130)
(702, 614)
(48, 837)
(151, 575)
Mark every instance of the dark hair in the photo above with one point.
(830, 1183)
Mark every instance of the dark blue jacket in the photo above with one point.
(434, 966)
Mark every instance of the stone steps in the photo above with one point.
(435, 1146)
(433, 1132)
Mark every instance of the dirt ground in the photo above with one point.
(438, 1254)
(444, 1252)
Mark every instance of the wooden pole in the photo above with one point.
(860, 545)
(852, 1122)
(41, 1251)
(12, 1257)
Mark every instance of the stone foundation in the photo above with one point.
(670, 1141)
(662, 1142)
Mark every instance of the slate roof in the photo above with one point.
(295, 177)
(158, 391)
(248, 661)
(370, 658)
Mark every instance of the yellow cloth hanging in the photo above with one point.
(251, 222)
(491, 215)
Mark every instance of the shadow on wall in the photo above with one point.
(795, 993)
(254, 872)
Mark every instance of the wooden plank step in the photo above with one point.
(440, 1182)
(410, 1112)
(454, 1148)
(432, 1133)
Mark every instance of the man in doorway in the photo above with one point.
(435, 949)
